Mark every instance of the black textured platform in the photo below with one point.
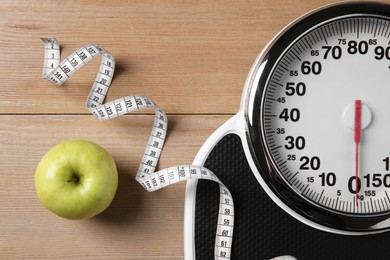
(262, 230)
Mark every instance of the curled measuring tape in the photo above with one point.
(58, 72)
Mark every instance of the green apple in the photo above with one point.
(77, 179)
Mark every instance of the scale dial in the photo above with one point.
(320, 120)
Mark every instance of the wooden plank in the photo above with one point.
(137, 225)
(190, 57)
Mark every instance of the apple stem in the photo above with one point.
(74, 179)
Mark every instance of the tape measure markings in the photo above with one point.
(58, 72)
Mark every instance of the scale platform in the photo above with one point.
(294, 110)
(262, 230)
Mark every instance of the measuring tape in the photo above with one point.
(58, 72)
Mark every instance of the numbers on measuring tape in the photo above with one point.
(58, 72)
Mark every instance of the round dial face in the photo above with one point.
(325, 115)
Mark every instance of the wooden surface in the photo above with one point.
(190, 57)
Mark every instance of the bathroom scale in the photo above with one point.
(307, 156)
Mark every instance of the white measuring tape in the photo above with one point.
(58, 73)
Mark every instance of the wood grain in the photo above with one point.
(129, 228)
(190, 57)
(177, 53)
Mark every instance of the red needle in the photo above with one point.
(357, 131)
